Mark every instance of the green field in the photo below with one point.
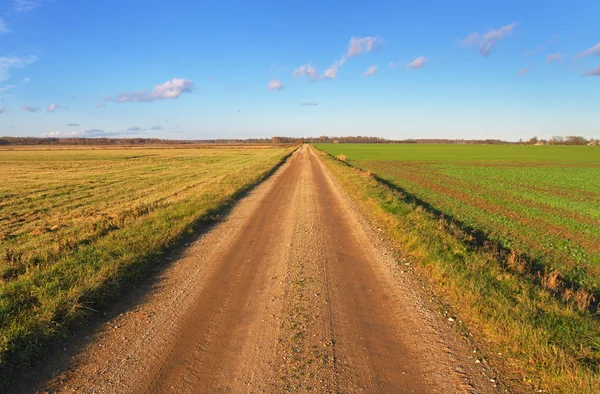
(75, 224)
(541, 201)
(510, 233)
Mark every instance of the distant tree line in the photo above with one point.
(569, 140)
(558, 140)
(377, 140)
(126, 141)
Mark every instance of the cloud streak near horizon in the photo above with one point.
(167, 91)
(27, 108)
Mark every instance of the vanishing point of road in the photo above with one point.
(292, 292)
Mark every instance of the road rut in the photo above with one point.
(290, 293)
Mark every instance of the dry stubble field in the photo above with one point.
(75, 224)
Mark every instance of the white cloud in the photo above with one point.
(593, 51)
(555, 57)
(593, 73)
(488, 40)
(359, 45)
(25, 80)
(169, 90)
(523, 71)
(308, 71)
(371, 71)
(356, 46)
(60, 134)
(275, 85)
(331, 72)
(27, 108)
(90, 133)
(3, 27)
(2, 109)
(308, 104)
(417, 63)
(27, 5)
(9, 62)
(52, 107)
(99, 105)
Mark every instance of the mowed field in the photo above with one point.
(511, 234)
(76, 223)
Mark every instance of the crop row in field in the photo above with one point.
(543, 202)
(74, 223)
(543, 342)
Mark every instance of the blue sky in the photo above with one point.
(240, 69)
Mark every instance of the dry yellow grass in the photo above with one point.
(75, 223)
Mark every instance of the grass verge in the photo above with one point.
(546, 344)
(49, 301)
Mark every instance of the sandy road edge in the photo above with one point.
(412, 283)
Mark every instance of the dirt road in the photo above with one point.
(290, 293)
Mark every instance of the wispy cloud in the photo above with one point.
(371, 71)
(331, 72)
(523, 71)
(488, 40)
(100, 105)
(2, 109)
(25, 80)
(169, 90)
(275, 85)
(308, 104)
(593, 73)
(555, 57)
(62, 134)
(417, 63)
(27, 5)
(394, 65)
(90, 133)
(7, 87)
(52, 107)
(27, 108)
(157, 128)
(73, 124)
(356, 46)
(307, 70)
(9, 62)
(593, 51)
(3, 27)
